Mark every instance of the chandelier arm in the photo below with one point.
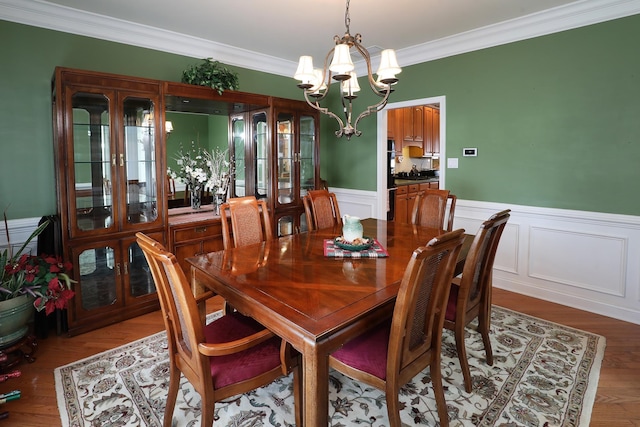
(325, 110)
(372, 109)
(367, 58)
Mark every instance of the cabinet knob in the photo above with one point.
(200, 229)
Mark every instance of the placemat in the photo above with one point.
(375, 251)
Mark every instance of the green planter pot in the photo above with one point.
(15, 315)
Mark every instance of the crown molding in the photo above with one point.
(60, 18)
(562, 18)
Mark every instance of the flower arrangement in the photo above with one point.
(221, 170)
(201, 169)
(192, 169)
(43, 277)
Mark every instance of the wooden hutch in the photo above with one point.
(110, 148)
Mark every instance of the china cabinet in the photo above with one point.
(296, 168)
(111, 163)
(108, 161)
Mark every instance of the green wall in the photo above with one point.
(29, 57)
(556, 119)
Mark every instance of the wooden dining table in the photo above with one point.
(314, 302)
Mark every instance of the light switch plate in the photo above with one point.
(452, 163)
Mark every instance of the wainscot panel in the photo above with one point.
(585, 260)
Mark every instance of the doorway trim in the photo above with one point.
(382, 146)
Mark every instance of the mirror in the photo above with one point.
(200, 119)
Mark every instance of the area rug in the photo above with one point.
(544, 374)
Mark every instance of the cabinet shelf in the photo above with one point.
(111, 193)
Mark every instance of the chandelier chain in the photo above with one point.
(347, 18)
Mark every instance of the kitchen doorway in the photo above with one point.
(382, 159)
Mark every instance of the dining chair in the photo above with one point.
(171, 187)
(250, 222)
(470, 295)
(231, 355)
(321, 209)
(389, 355)
(430, 209)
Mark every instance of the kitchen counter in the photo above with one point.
(409, 181)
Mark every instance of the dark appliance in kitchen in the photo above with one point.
(391, 185)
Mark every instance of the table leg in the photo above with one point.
(316, 387)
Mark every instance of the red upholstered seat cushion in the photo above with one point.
(368, 352)
(452, 304)
(237, 367)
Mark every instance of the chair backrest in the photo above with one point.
(476, 275)
(171, 187)
(321, 209)
(450, 211)
(250, 222)
(418, 316)
(179, 310)
(429, 208)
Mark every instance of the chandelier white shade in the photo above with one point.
(316, 83)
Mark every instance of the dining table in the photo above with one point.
(314, 296)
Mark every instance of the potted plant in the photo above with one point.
(27, 281)
(212, 74)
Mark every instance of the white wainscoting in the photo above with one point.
(19, 232)
(585, 260)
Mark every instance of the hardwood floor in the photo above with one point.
(617, 400)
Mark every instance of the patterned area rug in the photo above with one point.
(544, 374)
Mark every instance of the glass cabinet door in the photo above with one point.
(137, 277)
(307, 154)
(138, 160)
(260, 132)
(98, 287)
(238, 189)
(93, 153)
(285, 152)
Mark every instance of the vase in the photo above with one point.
(218, 199)
(15, 315)
(351, 228)
(195, 197)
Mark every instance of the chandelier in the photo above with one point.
(316, 82)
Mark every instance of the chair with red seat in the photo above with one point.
(430, 209)
(250, 222)
(231, 355)
(389, 355)
(321, 209)
(470, 295)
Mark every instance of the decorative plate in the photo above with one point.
(360, 245)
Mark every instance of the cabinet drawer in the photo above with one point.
(196, 233)
(402, 189)
(414, 188)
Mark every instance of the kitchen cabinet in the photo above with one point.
(295, 167)
(435, 131)
(394, 127)
(108, 159)
(431, 131)
(405, 199)
(413, 126)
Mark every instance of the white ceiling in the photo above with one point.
(279, 31)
